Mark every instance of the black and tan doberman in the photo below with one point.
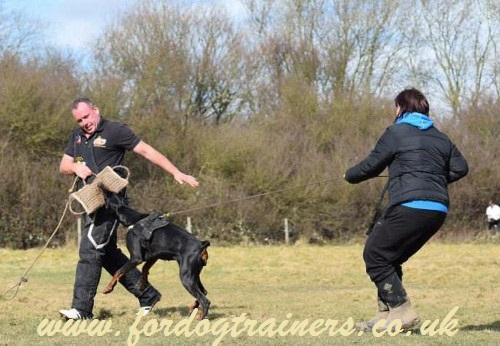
(152, 237)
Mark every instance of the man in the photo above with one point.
(493, 215)
(422, 161)
(93, 145)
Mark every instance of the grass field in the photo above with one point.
(295, 284)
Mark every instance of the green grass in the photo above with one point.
(295, 283)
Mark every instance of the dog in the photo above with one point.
(152, 237)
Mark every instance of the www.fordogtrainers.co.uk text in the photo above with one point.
(236, 326)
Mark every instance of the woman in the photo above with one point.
(422, 161)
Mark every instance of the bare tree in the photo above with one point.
(175, 61)
(362, 54)
(19, 35)
(283, 45)
(328, 44)
(491, 11)
(461, 36)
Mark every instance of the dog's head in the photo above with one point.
(113, 200)
(118, 203)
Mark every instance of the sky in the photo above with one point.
(71, 24)
(74, 24)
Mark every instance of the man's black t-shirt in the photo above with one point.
(105, 147)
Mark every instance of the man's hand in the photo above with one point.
(82, 171)
(69, 166)
(182, 178)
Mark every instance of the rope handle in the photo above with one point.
(125, 169)
(72, 197)
(11, 293)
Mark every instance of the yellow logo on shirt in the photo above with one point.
(100, 142)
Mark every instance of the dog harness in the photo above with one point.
(144, 228)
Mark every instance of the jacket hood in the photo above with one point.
(419, 120)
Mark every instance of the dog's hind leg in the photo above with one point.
(193, 306)
(204, 260)
(189, 275)
(200, 285)
(196, 303)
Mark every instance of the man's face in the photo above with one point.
(86, 117)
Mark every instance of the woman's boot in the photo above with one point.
(391, 290)
(381, 313)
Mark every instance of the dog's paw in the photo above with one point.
(107, 290)
(193, 306)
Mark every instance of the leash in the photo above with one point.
(183, 211)
(376, 214)
(11, 292)
(213, 205)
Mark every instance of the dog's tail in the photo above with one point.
(204, 252)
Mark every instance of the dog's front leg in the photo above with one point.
(118, 275)
(145, 273)
(114, 280)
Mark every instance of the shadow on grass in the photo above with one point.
(494, 326)
(104, 313)
(184, 311)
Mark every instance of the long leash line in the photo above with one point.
(213, 205)
(11, 292)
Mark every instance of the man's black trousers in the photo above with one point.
(98, 249)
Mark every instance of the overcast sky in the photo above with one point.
(73, 24)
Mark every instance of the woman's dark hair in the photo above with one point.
(412, 100)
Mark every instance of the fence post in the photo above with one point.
(287, 232)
